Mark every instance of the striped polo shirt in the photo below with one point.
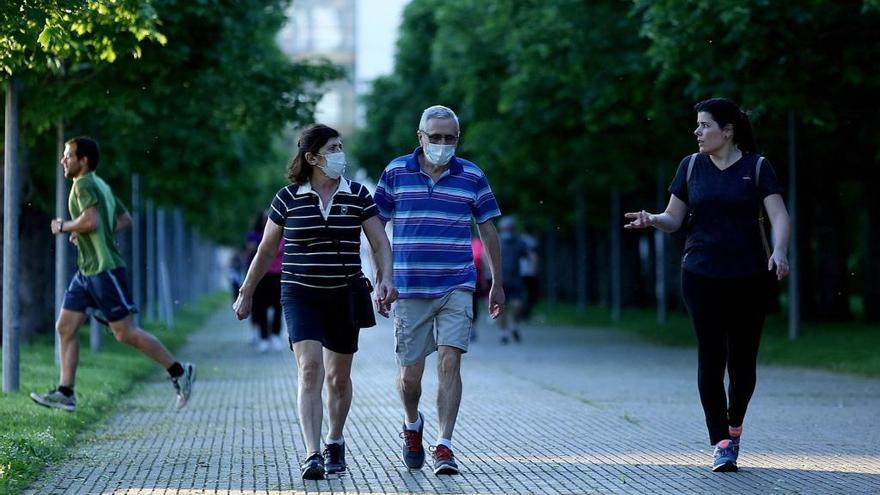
(432, 223)
(321, 242)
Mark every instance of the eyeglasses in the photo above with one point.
(440, 138)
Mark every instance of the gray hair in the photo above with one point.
(437, 112)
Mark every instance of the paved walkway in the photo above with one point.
(568, 411)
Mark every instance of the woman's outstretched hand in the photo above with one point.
(639, 220)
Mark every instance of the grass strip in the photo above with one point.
(32, 436)
(849, 347)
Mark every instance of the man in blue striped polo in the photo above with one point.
(433, 196)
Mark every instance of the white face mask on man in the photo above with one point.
(439, 154)
(335, 166)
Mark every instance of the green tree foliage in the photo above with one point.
(198, 114)
(559, 97)
(395, 102)
(43, 34)
(814, 59)
(544, 103)
(567, 103)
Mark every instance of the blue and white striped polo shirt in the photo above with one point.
(321, 242)
(432, 223)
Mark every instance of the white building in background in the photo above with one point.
(359, 35)
(328, 29)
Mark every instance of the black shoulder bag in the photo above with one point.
(360, 304)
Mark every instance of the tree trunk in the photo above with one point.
(10, 242)
(872, 246)
(616, 275)
(794, 297)
(581, 249)
(61, 259)
(549, 263)
(660, 282)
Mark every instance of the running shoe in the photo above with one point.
(444, 461)
(413, 452)
(725, 457)
(183, 384)
(56, 400)
(334, 457)
(313, 468)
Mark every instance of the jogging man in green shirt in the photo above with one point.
(100, 283)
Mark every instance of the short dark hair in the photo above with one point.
(87, 147)
(725, 112)
(312, 139)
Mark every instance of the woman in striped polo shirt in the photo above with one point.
(321, 215)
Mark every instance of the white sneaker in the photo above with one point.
(276, 344)
(263, 346)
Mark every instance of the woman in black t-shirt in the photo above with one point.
(720, 192)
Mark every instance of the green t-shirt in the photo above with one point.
(97, 249)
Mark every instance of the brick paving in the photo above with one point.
(569, 411)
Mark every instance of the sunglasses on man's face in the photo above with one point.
(441, 138)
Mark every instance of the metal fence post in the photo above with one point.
(136, 263)
(60, 240)
(151, 271)
(10, 242)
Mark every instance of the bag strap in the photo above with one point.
(687, 181)
(764, 241)
(690, 167)
(757, 179)
(758, 170)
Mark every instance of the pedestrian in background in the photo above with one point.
(719, 194)
(513, 250)
(528, 267)
(267, 295)
(481, 289)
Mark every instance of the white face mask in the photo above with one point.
(335, 166)
(439, 154)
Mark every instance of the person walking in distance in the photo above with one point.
(433, 197)
(513, 249)
(100, 281)
(720, 195)
(481, 288)
(528, 267)
(267, 295)
(320, 216)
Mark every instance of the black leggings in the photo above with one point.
(727, 316)
(267, 295)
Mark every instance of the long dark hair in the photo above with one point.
(311, 140)
(725, 112)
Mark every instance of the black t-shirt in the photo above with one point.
(723, 237)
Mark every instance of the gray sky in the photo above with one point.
(377, 24)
